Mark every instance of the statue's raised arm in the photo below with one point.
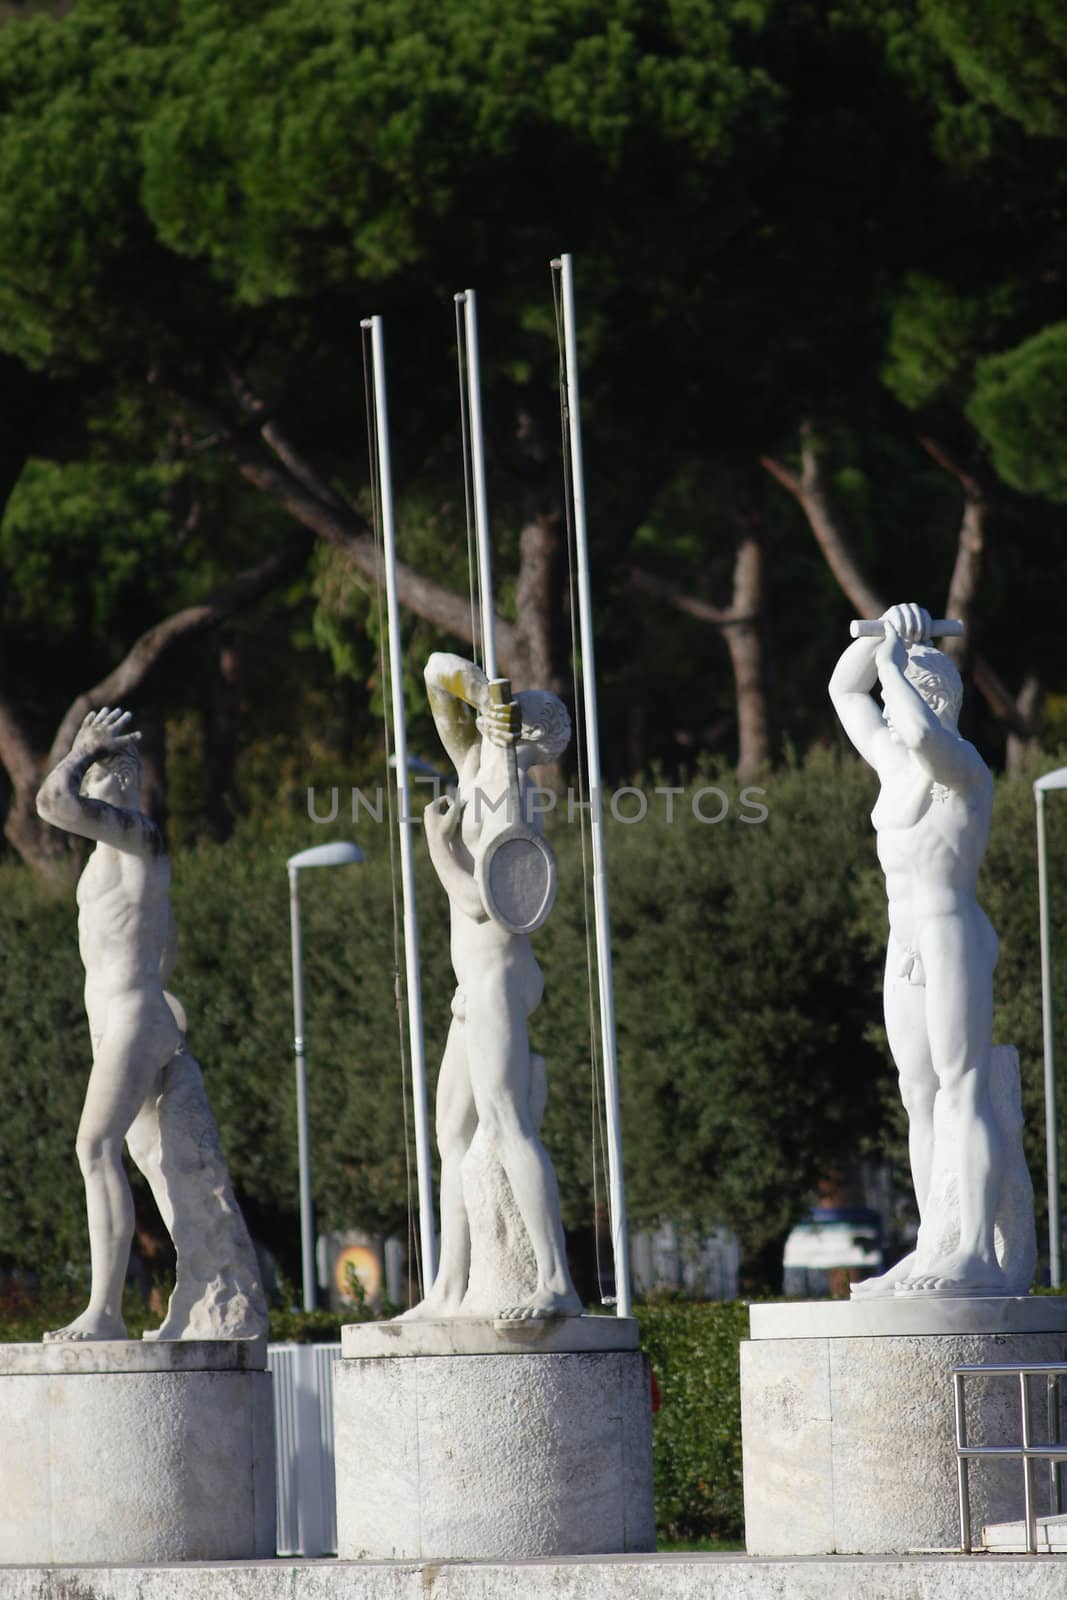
(457, 691)
(925, 724)
(83, 793)
(856, 676)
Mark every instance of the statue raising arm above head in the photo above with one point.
(144, 1087)
(924, 718)
(86, 793)
(854, 677)
(487, 1079)
(457, 690)
(932, 825)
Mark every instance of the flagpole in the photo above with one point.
(616, 1189)
(427, 1231)
(469, 302)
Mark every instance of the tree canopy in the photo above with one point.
(822, 333)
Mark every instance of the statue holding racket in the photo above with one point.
(499, 875)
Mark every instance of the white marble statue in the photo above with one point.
(976, 1233)
(490, 1091)
(144, 1086)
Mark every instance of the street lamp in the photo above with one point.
(341, 854)
(1051, 780)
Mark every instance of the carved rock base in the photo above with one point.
(501, 1457)
(129, 1452)
(849, 1442)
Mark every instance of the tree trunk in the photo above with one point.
(537, 604)
(808, 490)
(48, 850)
(1030, 704)
(744, 641)
(970, 550)
(222, 722)
(281, 473)
(741, 625)
(45, 848)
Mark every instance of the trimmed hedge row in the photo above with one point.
(696, 1433)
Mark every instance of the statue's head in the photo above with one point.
(937, 680)
(546, 727)
(116, 778)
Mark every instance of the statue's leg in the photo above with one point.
(905, 1026)
(456, 1123)
(499, 1053)
(909, 1043)
(959, 953)
(125, 1067)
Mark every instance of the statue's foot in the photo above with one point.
(167, 1330)
(90, 1325)
(886, 1282)
(955, 1276)
(435, 1308)
(542, 1305)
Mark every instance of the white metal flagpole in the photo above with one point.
(1051, 780)
(427, 1231)
(616, 1191)
(468, 300)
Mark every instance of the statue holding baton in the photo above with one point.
(960, 1092)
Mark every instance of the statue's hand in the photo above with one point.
(441, 818)
(910, 622)
(501, 724)
(891, 651)
(101, 734)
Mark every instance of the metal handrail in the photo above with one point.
(1026, 1451)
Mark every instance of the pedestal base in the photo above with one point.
(520, 1453)
(122, 1451)
(848, 1433)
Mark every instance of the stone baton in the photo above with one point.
(945, 628)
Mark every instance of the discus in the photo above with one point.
(516, 871)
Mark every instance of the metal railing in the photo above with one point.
(1026, 1451)
(303, 1447)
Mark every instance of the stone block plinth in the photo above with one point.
(123, 1451)
(847, 1422)
(469, 1440)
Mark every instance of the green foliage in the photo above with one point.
(696, 1435)
(1019, 406)
(775, 211)
(1009, 53)
(931, 343)
(26, 1314)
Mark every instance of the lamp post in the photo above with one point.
(341, 854)
(1051, 780)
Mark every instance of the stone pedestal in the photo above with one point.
(847, 1422)
(466, 1439)
(123, 1451)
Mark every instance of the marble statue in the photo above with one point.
(144, 1086)
(961, 1094)
(490, 1093)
